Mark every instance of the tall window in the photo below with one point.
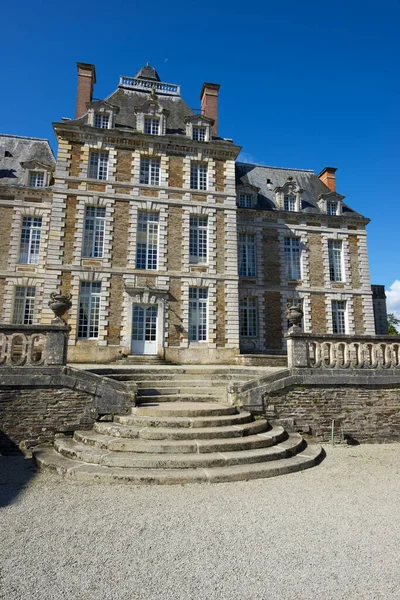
(89, 310)
(245, 200)
(101, 120)
(247, 255)
(24, 304)
(199, 133)
(335, 260)
(338, 316)
(98, 165)
(93, 239)
(198, 239)
(150, 171)
(289, 203)
(152, 126)
(147, 240)
(30, 240)
(292, 258)
(198, 314)
(198, 176)
(248, 317)
(36, 179)
(332, 208)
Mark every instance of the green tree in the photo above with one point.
(393, 324)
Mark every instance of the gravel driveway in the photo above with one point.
(332, 532)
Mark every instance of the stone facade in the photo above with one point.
(143, 222)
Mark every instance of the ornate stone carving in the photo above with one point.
(60, 304)
(294, 314)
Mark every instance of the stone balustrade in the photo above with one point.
(329, 351)
(33, 345)
(169, 89)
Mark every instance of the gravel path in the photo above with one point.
(331, 532)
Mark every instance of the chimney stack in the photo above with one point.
(328, 177)
(209, 103)
(86, 81)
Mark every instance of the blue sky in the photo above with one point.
(303, 84)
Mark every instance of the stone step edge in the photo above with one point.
(184, 422)
(47, 458)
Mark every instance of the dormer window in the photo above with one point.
(289, 203)
(36, 179)
(245, 200)
(152, 126)
(332, 208)
(199, 133)
(101, 120)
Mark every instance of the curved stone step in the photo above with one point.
(187, 422)
(184, 409)
(192, 397)
(179, 433)
(186, 390)
(72, 449)
(47, 458)
(103, 442)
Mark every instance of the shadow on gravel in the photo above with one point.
(15, 471)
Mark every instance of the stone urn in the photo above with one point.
(294, 314)
(59, 304)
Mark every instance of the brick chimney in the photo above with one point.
(328, 177)
(209, 103)
(86, 81)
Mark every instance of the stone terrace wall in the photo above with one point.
(37, 403)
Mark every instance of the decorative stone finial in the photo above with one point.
(153, 95)
(60, 304)
(294, 314)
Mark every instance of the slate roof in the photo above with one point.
(22, 150)
(259, 176)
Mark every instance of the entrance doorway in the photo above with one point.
(144, 329)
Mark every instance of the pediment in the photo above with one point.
(98, 104)
(247, 187)
(199, 120)
(332, 196)
(37, 165)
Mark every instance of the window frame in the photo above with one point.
(336, 313)
(289, 203)
(293, 261)
(198, 239)
(99, 166)
(198, 314)
(198, 175)
(329, 205)
(94, 236)
(27, 306)
(33, 240)
(148, 251)
(245, 200)
(37, 179)
(248, 317)
(94, 307)
(247, 255)
(150, 170)
(148, 125)
(336, 266)
(199, 129)
(104, 118)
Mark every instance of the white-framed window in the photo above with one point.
(245, 200)
(331, 208)
(24, 304)
(248, 317)
(247, 255)
(198, 176)
(295, 302)
(198, 298)
(292, 258)
(199, 133)
(93, 235)
(98, 165)
(152, 126)
(36, 179)
(30, 240)
(101, 120)
(198, 239)
(89, 310)
(289, 203)
(147, 240)
(335, 252)
(150, 171)
(339, 316)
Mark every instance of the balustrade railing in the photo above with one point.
(342, 351)
(33, 345)
(142, 84)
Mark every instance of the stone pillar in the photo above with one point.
(56, 345)
(297, 350)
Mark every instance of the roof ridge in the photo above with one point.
(271, 167)
(23, 137)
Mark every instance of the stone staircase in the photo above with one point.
(178, 442)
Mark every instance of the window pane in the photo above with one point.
(198, 239)
(147, 241)
(335, 260)
(199, 133)
(93, 242)
(98, 165)
(247, 255)
(332, 208)
(24, 304)
(151, 126)
(198, 314)
(292, 258)
(150, 171)
(36, 179)
(101, 121)
(198, 176)
(248, 317)
(339, 316)
(290, 203)
(30, 240)
(89, 310)
(245, 200)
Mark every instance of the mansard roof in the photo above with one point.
(267, 179)
(147, 72)
(23, 151)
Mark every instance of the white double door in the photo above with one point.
(144, 329)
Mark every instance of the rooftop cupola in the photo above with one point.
(147, 72)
